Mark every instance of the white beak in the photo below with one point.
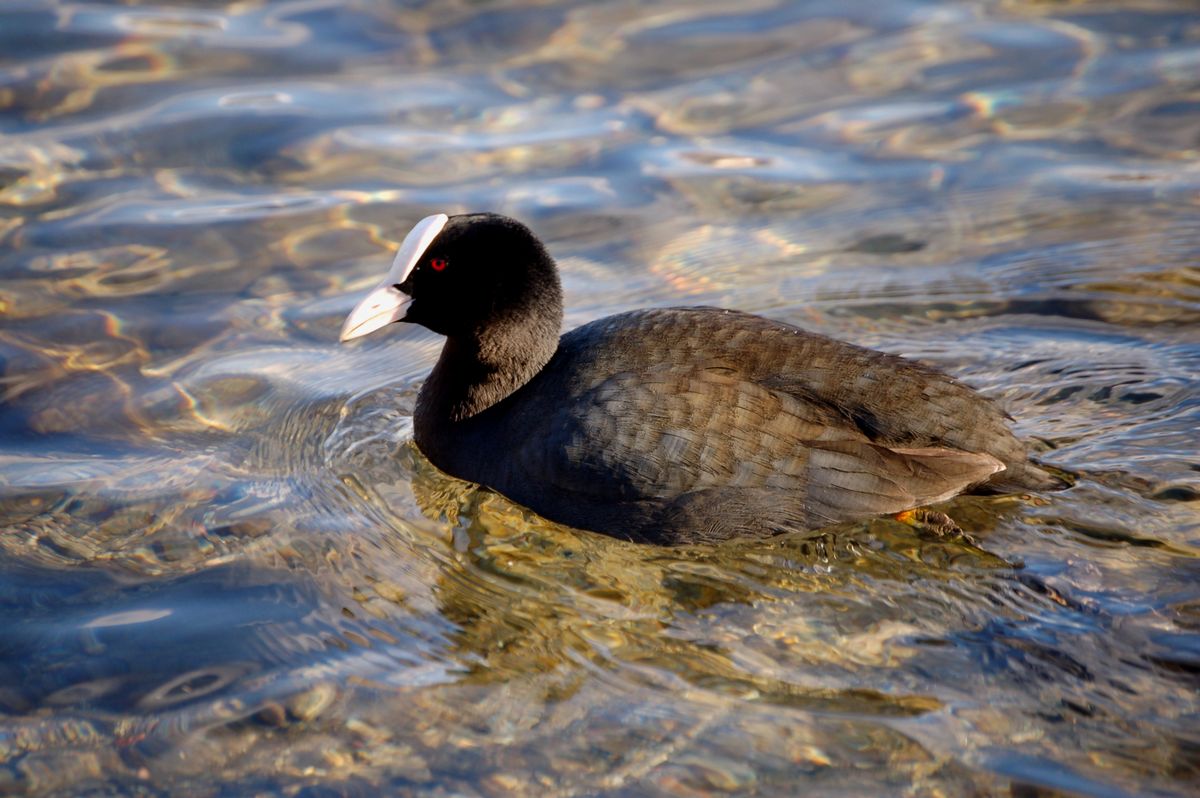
(386, 303)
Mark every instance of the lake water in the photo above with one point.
(225, 569)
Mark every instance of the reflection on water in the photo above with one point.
(225, 568)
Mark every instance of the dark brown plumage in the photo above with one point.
(682, 424)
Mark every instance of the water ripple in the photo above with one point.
(226, 567)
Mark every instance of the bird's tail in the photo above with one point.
(1029, 476)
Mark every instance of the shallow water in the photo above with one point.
(226, 570)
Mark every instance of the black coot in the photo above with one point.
(671, 425)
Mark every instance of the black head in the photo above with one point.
(483, 269)
(480, 271)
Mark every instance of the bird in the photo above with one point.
(675, 425)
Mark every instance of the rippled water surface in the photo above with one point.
(225, 569)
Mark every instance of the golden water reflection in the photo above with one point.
(225, 567)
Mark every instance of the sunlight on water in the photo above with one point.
(227, 569)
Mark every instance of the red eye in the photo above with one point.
(439, 264)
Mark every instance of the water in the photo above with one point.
(226, 570)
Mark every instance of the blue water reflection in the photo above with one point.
(225, 568)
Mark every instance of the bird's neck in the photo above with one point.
(482, 368)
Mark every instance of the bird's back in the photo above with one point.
(699, 423)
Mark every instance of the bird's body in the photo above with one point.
(683, 425)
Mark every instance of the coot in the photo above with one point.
(670, 425)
